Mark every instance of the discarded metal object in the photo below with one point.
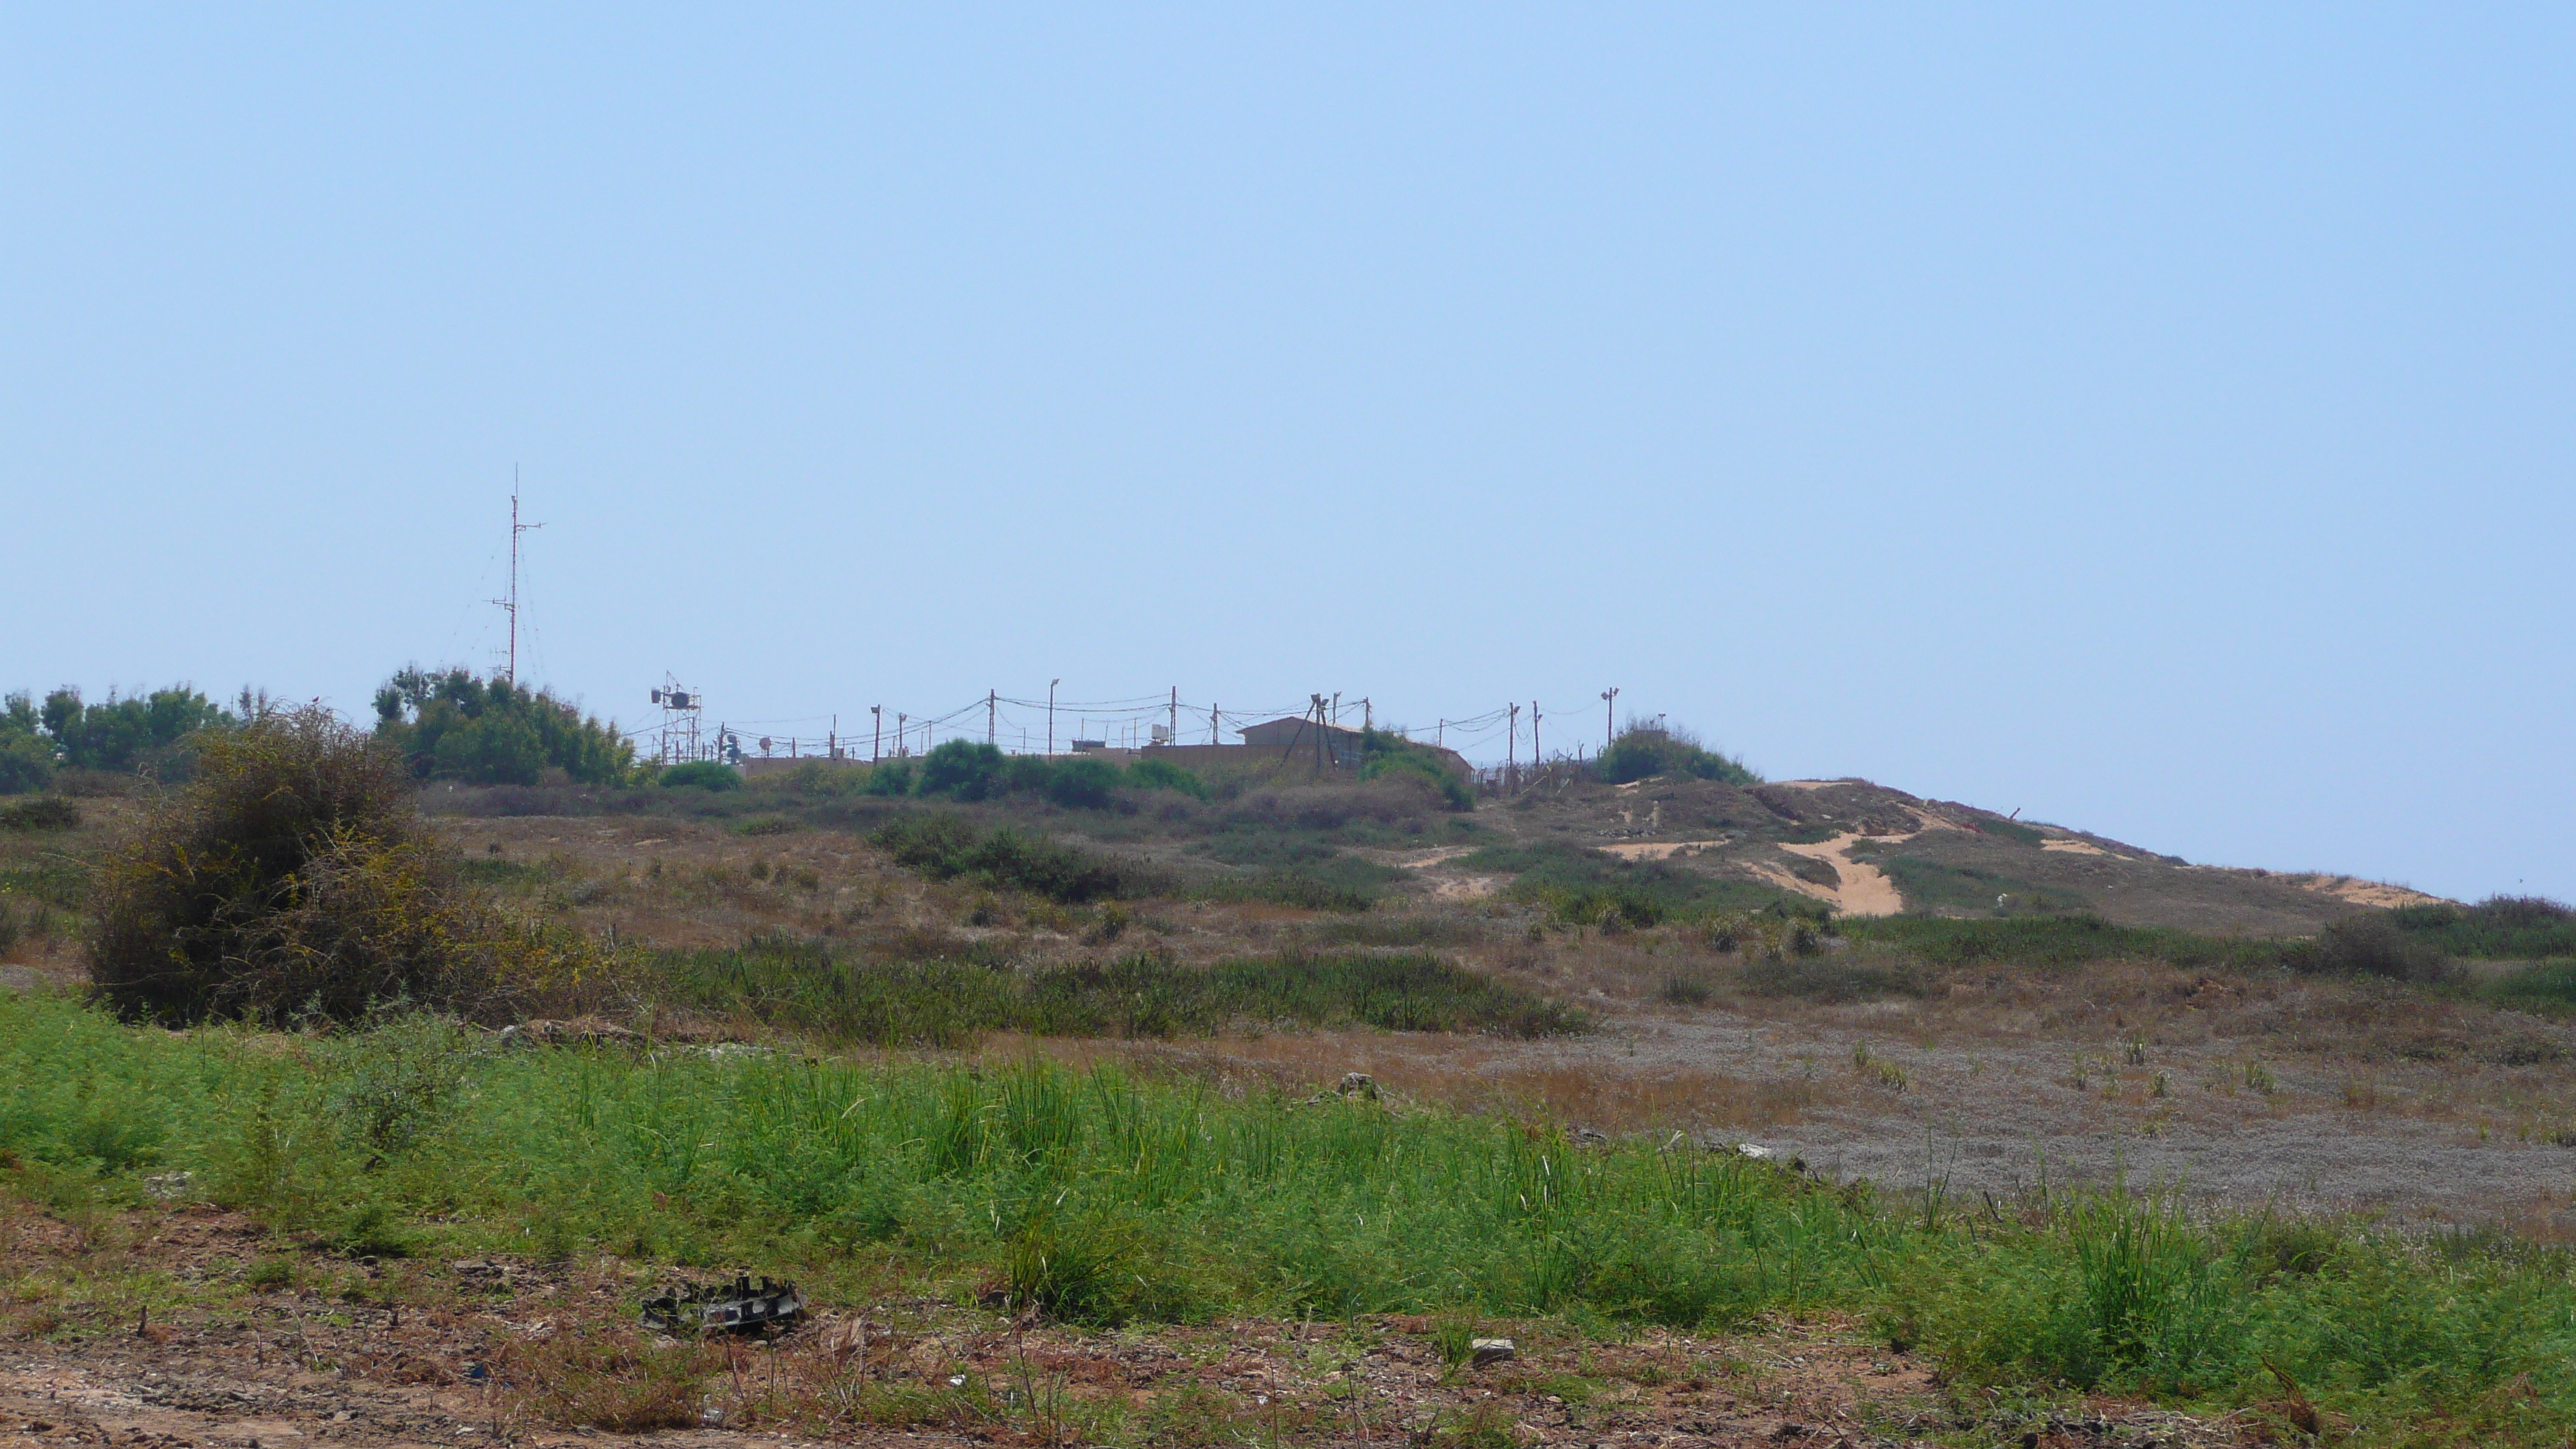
(736, 1307)
(1482, 1351)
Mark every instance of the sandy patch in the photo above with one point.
(1656, 849)
(1464, 887)
(2068, 845)
(2364, 892)
(1416, 859)
(1866, 890)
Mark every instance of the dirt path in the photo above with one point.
(1865, 891)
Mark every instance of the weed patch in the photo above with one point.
(950, 847)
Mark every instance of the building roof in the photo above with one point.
(1293, 722)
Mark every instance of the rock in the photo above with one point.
(168, 1186)
(1758, 1154)
(1357, 1084)
(1482, 1351)
(578, 1030)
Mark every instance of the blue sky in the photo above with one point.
(2152, 418)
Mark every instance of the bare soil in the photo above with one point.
(503, 1351)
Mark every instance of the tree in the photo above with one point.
(119, 734)
(26, 759)
(451, 725)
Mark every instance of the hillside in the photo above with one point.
(1824, 1012)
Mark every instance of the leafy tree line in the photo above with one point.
(451, 725)
(66, 732)
(965, 770)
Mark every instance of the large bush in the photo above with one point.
(1640, 751)
(701, 775)
(2370, 945)
(291, 879)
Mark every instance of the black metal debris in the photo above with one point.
(736, 1307)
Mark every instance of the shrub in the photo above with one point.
(1413, 765)
(890, 778)
(1640, 751)
(46, 813)
(961, 770)
(1152, 774)
(1083, 784)
(292, 878)
(2509, 927)
(2369, 945)
(946, 847)
(701, 775)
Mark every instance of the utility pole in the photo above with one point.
(1535, 757)
(1051, 684)
(510, 605)
(1609, 703)
(992, 704)
(1368, 716)
(1176, 716)
(876, 733)
(1212, 725)
(1511, 743)
(1337, 709)
(902, 734)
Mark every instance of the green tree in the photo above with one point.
(119, 734)
(26, 759)
(962, 770)
(451, 725)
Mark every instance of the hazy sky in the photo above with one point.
(2156, 419)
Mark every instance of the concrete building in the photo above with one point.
(1297, 738)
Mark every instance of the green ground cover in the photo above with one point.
(1106, 1199)
(804, 986)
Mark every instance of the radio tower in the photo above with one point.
(510, 605)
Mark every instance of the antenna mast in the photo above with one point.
(510, 605)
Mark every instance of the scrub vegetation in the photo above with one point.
(1098, 1198)
(1159, 1050)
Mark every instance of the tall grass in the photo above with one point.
(1101, 1198)
(803, 985)
(948, 847)
(2509, 927)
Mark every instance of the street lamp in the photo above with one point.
(1608, 704)
(1051, 684)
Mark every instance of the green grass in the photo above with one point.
(2501, 928)
(2069, 940)
(1294, 869)
(1105, 1199)
(804, 986)
(1582, 886)
(1930, 885)
(2543, 986)
(947, 846)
